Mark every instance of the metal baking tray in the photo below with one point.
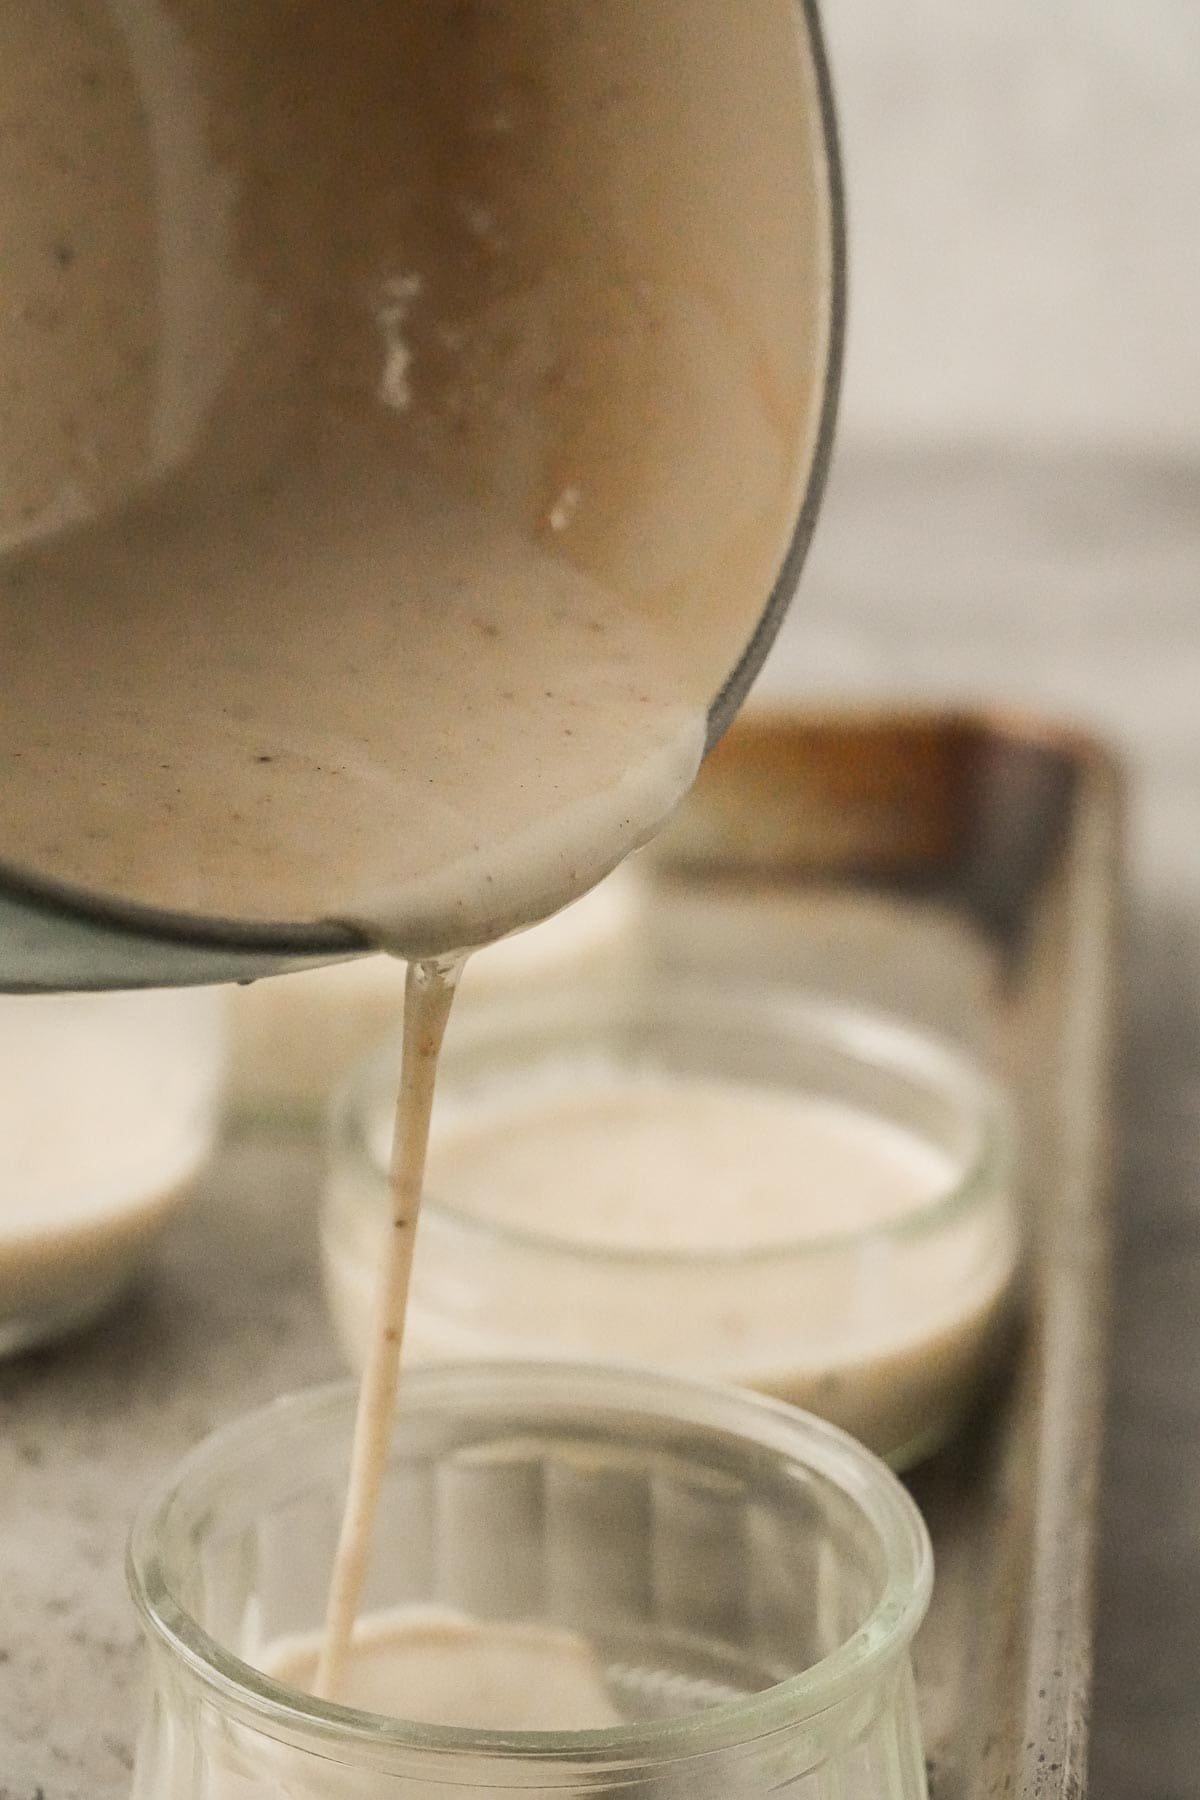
(964, 870)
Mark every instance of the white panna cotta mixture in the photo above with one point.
(599, 1209)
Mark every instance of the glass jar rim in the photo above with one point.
(589, 1390)
(867, 1039)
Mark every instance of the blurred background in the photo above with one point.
(1019, 458)
(1015, 516)
(1023, 181)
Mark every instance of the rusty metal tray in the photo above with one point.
(964, 870)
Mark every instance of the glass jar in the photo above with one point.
(108, 1109)
(884, 1328)
(748, 1579)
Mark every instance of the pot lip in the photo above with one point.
(724, 708)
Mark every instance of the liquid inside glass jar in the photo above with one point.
(734, 1183)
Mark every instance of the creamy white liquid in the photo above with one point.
(651, 1162)
(730, 1231)
(440, 1668)
(481, 737)
(429, 994)
(107, 1109)
(426, 1665)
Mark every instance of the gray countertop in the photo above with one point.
(1067, 585)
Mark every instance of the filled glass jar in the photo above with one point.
(108, 1109)
(734, 1183)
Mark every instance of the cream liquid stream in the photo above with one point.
(428, 997)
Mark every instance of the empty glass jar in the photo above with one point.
(746, 1579)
